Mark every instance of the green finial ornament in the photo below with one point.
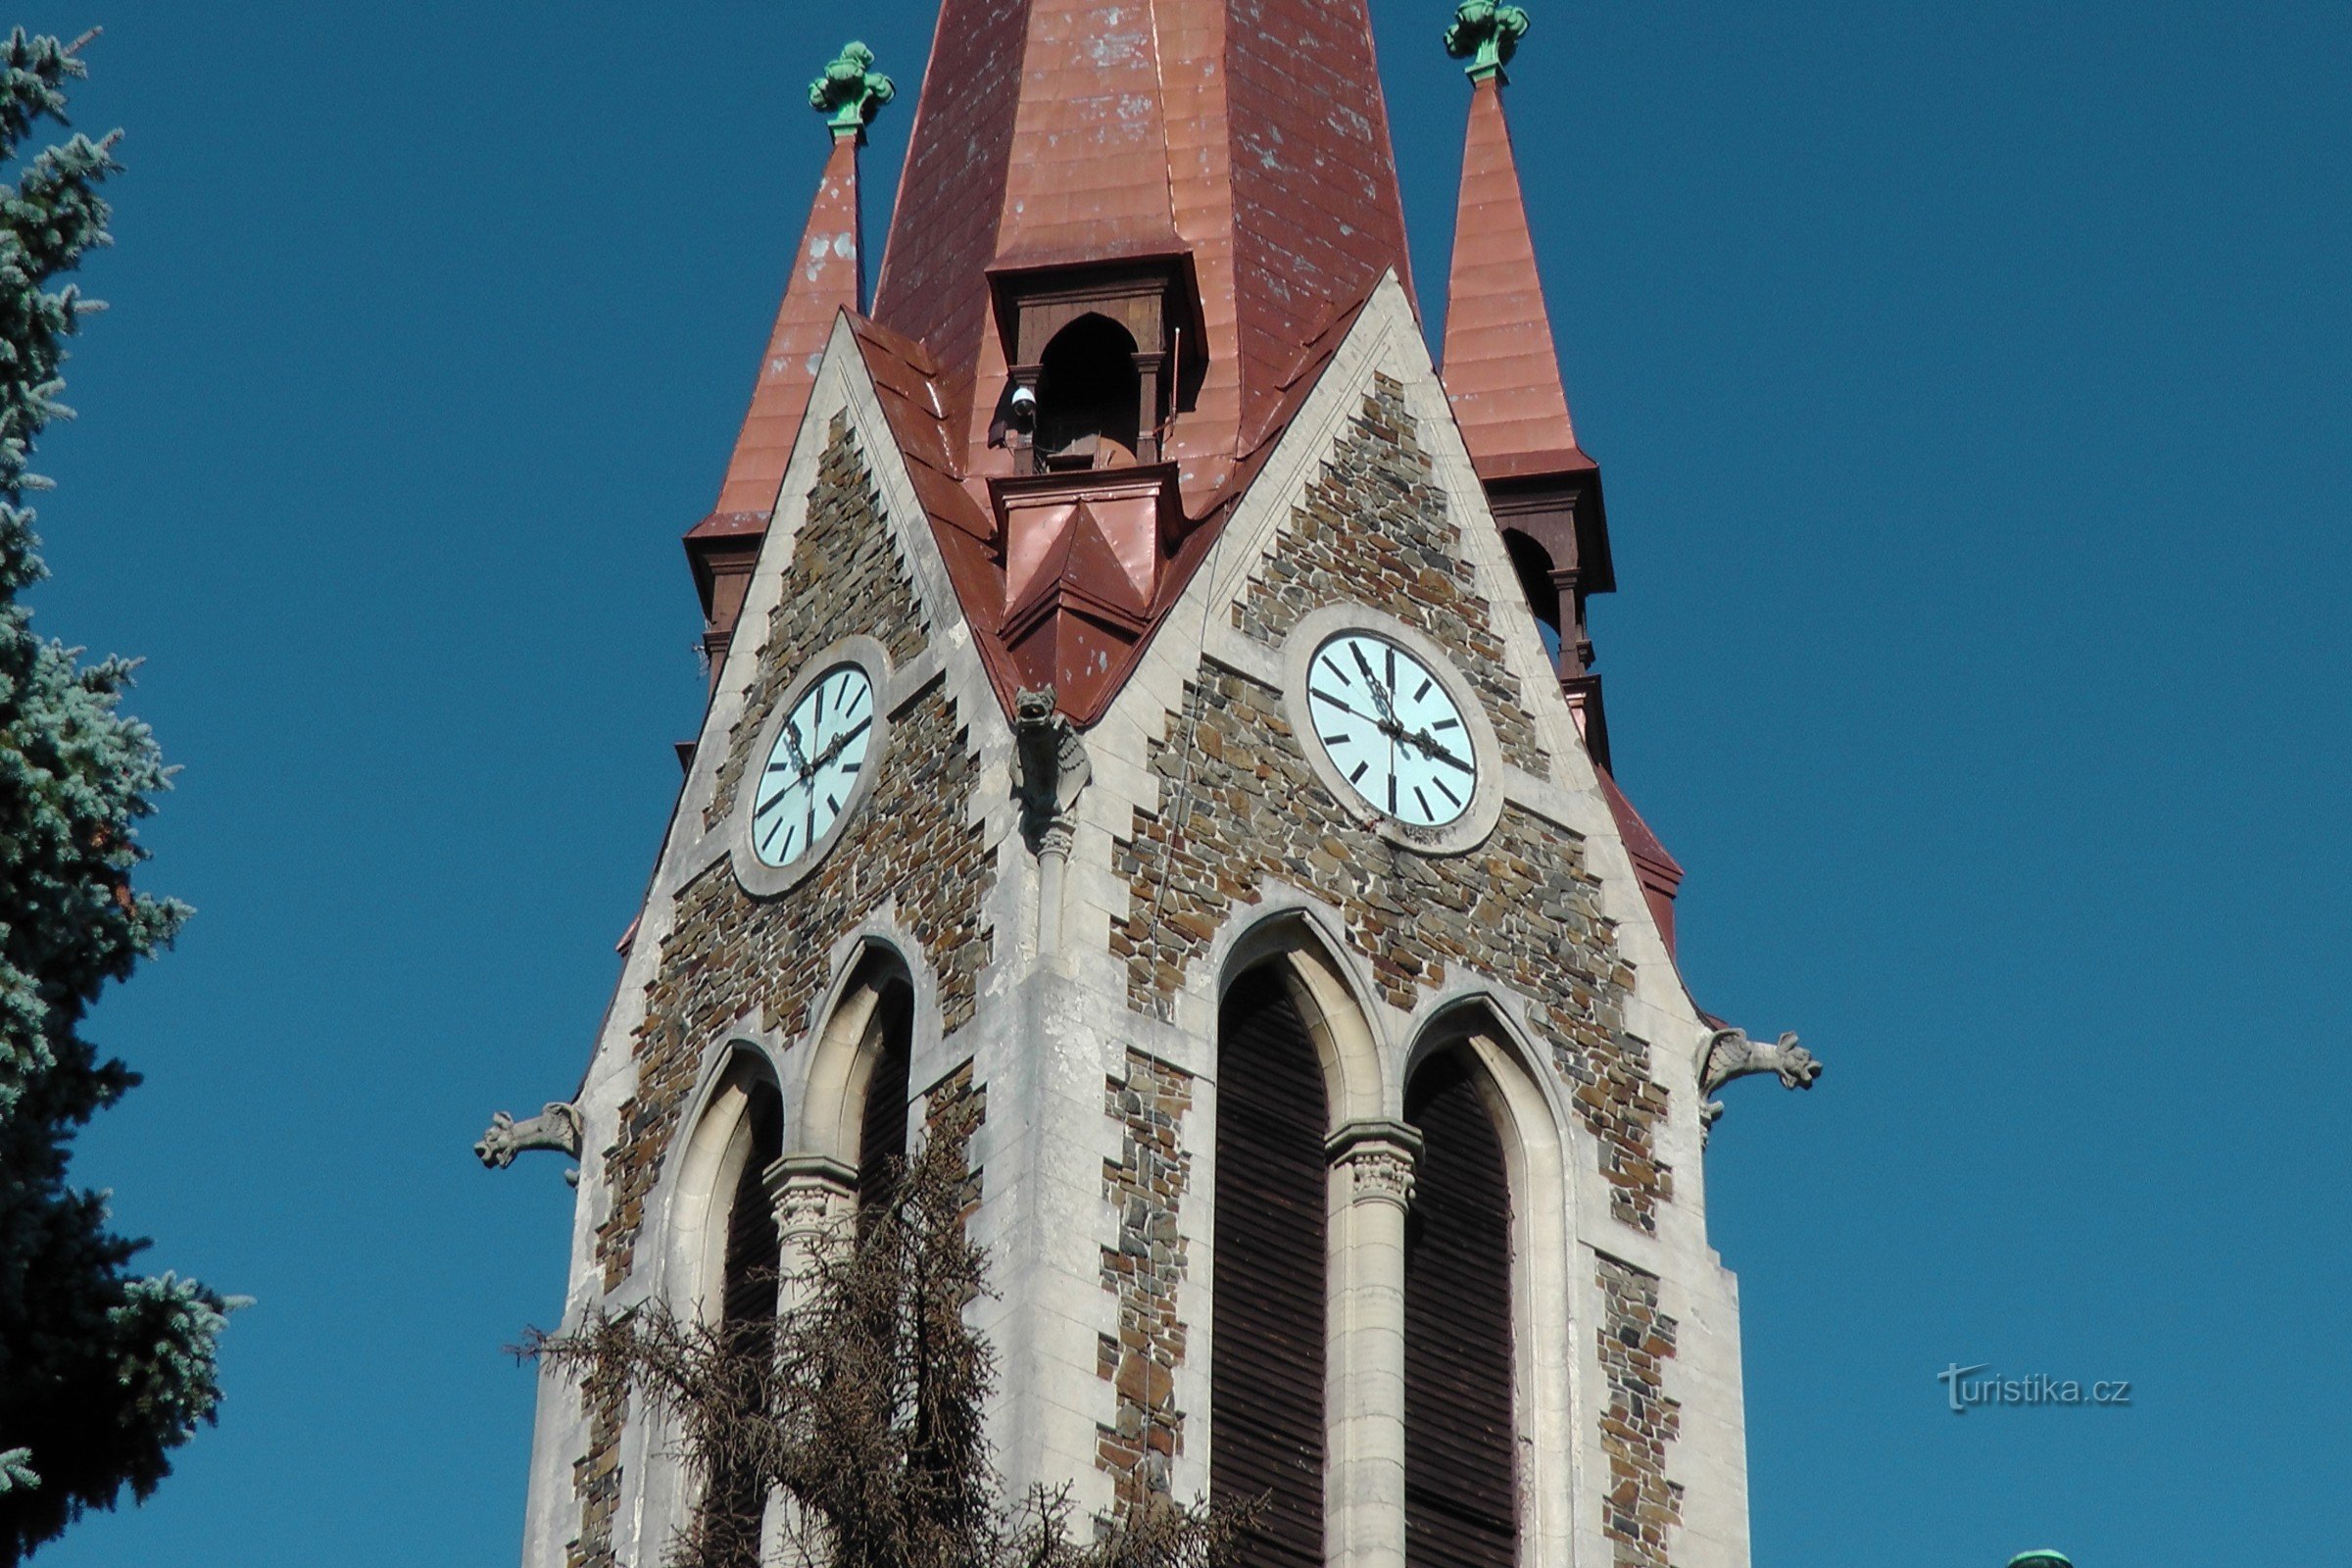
(2044, 1558)
(851, 91)
(1487, 36)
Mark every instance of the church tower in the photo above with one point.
(1151, 701)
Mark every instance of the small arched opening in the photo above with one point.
(1089, 397)
(1532, 563)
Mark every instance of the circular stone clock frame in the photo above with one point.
(755, 874)
(1485, 808)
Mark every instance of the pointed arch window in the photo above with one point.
(1460, 1484)
(1269, 1314)
(734, 1507)
(882, 1119)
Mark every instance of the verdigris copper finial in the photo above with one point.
(851, 91)
(1487, 36)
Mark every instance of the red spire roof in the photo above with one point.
(1499, 367)
(1247, 137)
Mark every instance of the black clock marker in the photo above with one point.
(1424, 802)
(1424, 691)
(1447, 723)
(1451, 799)
(1333, 665)
(1360, 770)
(1333, 740)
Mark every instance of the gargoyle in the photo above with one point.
(1050, 769)
(1728, 1053)
(558, 1126)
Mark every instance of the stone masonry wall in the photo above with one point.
(1373, 529)
(1636, 1340)
(730, 954)
(1241, 803)
(1147, 1185)
(846, 579)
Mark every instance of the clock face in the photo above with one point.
(816, 758)
(1391, 729)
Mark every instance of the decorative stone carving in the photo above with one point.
(814, 1198)
(1379, 1158)
(558, 1126)
(1049, 770)
(1728, 1053)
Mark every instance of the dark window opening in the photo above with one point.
(1532, 563)
(1460, 1486)
(882, 1132)
(738, 1495)
(1089, 397)
(1268, 1318)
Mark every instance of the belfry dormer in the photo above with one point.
(1099, 358)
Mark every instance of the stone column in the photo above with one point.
(815, 1197)
(817, 1200)
(1371, 1185)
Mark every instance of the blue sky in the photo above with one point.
(1972, 384)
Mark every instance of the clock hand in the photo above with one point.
(824, 759)
(1380, 696)
(1351, 713)
(792, 743)
(1433, 748)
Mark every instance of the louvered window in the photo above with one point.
(1460, 1489)
(738, 1495)
(1266, 1408)
(882, 1134)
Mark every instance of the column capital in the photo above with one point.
(1380, 1155)
(811, 1193)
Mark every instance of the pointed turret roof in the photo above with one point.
(825, 280)
(1500, 367)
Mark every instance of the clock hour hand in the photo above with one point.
(1431, 746)
(824, 759)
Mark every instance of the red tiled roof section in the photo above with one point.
(1660, 873)
(1317, 213)
(1087, 176)
(1500, 367)
(824, 283)
(942, 234)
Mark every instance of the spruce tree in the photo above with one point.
(102, 1372)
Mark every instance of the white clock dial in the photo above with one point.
(810, 769)
(1390, 727)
